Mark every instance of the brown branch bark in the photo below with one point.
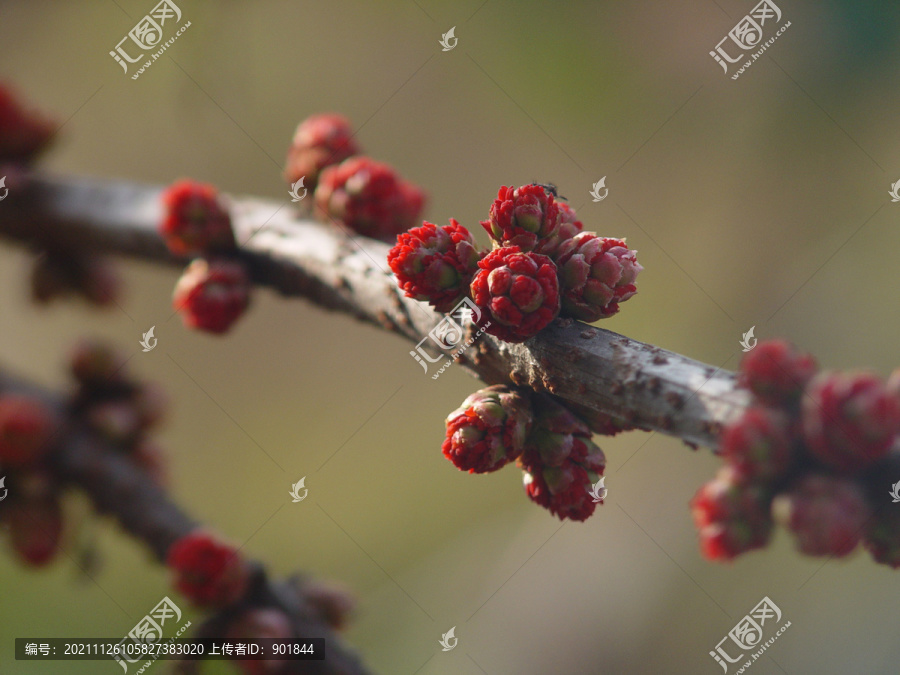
(118, 487)
(596, 372)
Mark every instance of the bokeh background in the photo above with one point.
(761, 201)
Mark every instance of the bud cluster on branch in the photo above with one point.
(350, 189)
(49, 443)
(97, 438)
(543, 265)
(809, 451)
(816, 453)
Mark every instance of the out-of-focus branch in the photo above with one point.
(596, 372)
(118, 487)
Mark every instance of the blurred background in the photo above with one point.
(761, 201)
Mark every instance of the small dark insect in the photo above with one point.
(550, 189)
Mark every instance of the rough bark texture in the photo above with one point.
(118, 487)
(596, 372)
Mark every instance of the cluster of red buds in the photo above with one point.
(213, 575)
(816, 453)
(106, 401)
(349, 188)
(499, 425)
(56, 272)
(214, 290)
(542, 265)
(116, 407)
(30, 509)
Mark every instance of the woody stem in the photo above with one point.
(594, 371)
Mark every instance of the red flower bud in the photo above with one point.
(195, 221)
(517, 292)
(212, 294)
(776, 372)
(595, 275)
(827, 515)
(488, 431)
(319, 142)
(560, 462)
(207, 571)
(562, 490)
(522, 217)
(732, 516)
(759, 444)
(849, 420)
(369, 198)
(435, 264)
(26, 428)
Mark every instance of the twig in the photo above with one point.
(595, 371)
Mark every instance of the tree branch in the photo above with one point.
(117, 486)
(596, 372)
